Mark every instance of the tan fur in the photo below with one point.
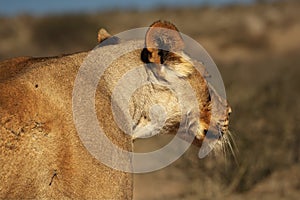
(41, 155)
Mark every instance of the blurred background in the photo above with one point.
(256, 46)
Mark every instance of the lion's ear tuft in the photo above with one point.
(162, 37)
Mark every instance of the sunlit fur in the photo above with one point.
(172, 58)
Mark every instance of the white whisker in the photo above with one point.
(233, 148)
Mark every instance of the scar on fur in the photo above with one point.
(53, 176)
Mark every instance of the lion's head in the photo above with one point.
(168, 66)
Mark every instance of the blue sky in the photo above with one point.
(13, 7)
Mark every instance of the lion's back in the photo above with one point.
(41, 154)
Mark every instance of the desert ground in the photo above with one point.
(256, 48)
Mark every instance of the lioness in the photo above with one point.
(41, 155)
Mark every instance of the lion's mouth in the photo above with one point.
(217, 131)
(223, 124)
(224, 139)
(223, 127)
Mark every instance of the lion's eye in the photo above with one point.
(229, 111)
(205, 131)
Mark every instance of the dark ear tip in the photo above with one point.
(145, 55)
(164, 24)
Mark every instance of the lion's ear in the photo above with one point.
(161, 38)
(102, 35)
(104, 38)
